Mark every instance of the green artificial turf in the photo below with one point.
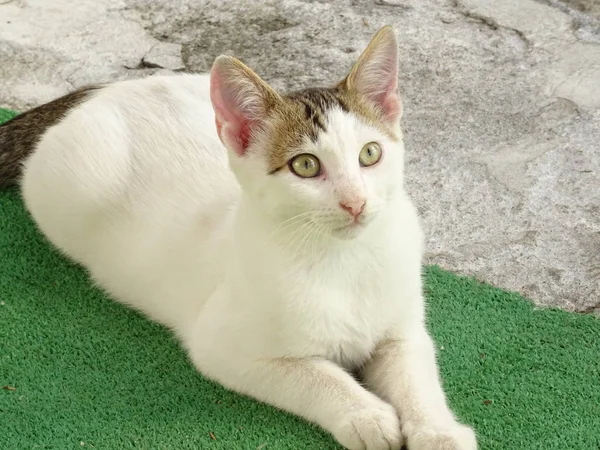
(80, 371)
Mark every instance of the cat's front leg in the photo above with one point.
(317, 390)
(403, 371)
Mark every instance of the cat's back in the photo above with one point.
(150, 141)
(161, 117)
(138, 159)
(172, 102)
(134, 184)
(168, 125)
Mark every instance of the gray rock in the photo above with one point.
(575, 74)
(49, 48)
(501, 99)
(165, 56)
(537, 23)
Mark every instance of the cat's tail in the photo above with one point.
(14, 148)
(20, 135)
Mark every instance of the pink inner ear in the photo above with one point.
(233, 126)
(244, 135)
(384, 90)
(391, 105)
(238, 137)
(387, 100)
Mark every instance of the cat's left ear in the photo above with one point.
(375, 75)
(241, 101)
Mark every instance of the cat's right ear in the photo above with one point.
(241, 101)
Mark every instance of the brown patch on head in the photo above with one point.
(367, 112)
(317, 102)
(20, 135)
(303, 115)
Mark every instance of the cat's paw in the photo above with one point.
(372, 428)
(454, 437)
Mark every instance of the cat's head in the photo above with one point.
(326, 158)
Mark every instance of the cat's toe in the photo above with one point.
(424, 437)
(374, 428)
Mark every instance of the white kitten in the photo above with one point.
(280, 246)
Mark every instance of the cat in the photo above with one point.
(271, 233)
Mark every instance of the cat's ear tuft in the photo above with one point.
(241, 101)
(375, 75)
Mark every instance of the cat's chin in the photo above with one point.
(349, 232)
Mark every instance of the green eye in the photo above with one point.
(305, 165)
(370, 154)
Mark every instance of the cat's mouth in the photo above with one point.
(349, 230)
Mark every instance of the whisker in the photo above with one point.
(295, 235)
(311, 239)
(310, 229)
(289, 222)
(315, 246)
(304, 229)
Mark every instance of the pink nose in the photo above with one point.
(355, 208)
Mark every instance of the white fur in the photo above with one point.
(247, 268)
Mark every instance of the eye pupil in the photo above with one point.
(305, 166)
(370, 154)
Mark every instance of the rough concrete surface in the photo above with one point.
(502, 105)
